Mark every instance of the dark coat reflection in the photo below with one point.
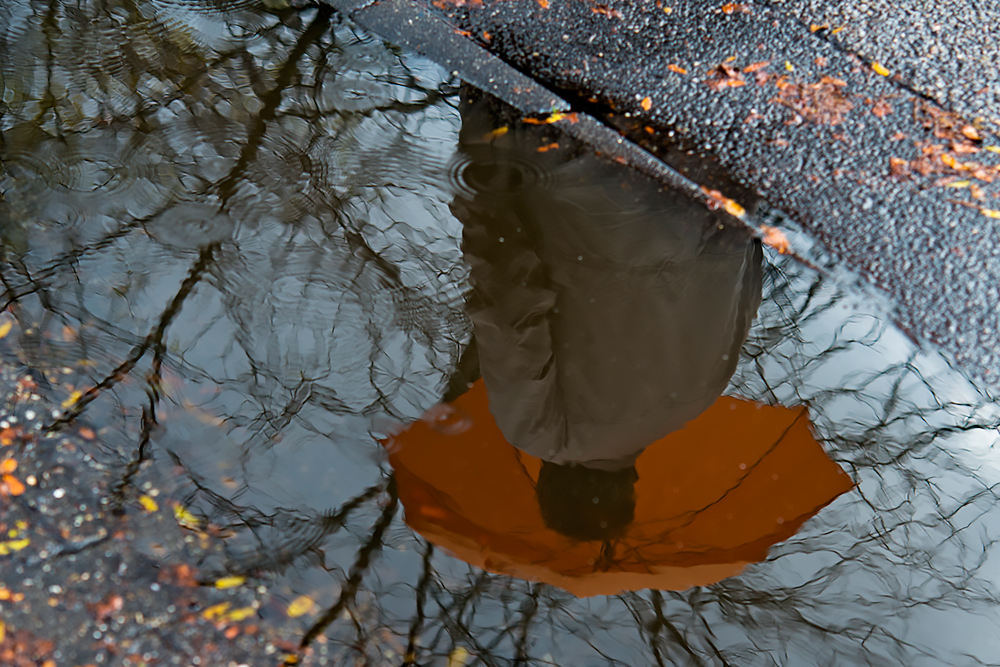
(607, 312)
(607, 317)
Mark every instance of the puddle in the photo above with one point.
(377, 346)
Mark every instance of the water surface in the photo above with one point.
(247, 247)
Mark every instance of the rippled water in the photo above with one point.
(251, 248)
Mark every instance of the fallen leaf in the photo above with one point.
(753, 67)
(734, 209)
(968, 131)
(677, 69)
(957, 184)
(499, 132)
(8, 466)
(731, 7)
(646, 104)
(544, 4)
(5, 328)
(300, 606)
(823, 102)
(607, 11)
(990, 213)
(880, 107)
(108, 607)
(816, 27)
(14, 485)
(879, 69)
(185, 518)
(548, 147)
(230, 582)
(552, 118)
(992, 149)
(241, 614)
(215, 612)
(775, 238)
(148, 504)
(724, 76)
(72, 399)
(7, 548)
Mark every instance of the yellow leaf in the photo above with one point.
(458, 657)
(992, 149)
(499, 132)
(5, 328)
(990, 213)
(300, 606)
(957, 184)
(230, 582)
(216, 611)
(148, 504)
(3, 632)
(72, 399)
(734, 209)
(789, 66)
(185, 518)
(241, 614)
(879, 69)
(7, 548)
(836, 30)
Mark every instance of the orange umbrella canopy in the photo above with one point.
(710, 498)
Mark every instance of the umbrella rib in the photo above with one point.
(750, 469)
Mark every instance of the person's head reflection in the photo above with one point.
(586, 503)
(606, 312)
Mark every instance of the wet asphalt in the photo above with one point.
(872, 126)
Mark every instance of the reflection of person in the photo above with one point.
(606, 312)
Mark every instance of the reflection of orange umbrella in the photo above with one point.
(711, 498)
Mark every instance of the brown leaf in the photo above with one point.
(753, 67)
(723, 76)
(823, 102)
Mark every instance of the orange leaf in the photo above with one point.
(646, 104)
(775, 238)
(14, 485)
(677, 68)
(753, 67)
(8, 466)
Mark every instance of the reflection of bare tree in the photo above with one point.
(867, 582)
(267, 127)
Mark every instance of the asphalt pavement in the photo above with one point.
(872, 126)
